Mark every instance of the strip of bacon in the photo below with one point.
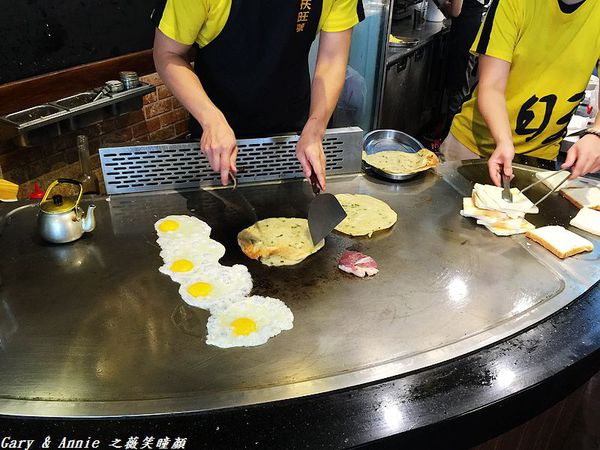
(357, 264)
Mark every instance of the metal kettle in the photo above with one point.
(61, 219)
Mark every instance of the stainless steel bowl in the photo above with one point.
(390, 140)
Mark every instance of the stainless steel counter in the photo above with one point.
(93, 329)
(427, 32)
(414, 78)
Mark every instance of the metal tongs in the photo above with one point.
(506, 194)
(245, 204)
(105, 90)
(553, 190)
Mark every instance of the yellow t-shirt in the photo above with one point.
(200, 21)
(552, 56)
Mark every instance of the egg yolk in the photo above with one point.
(200, 289)
(168, 225)
(182, 265)
(243, 326)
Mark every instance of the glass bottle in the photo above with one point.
(88, 179)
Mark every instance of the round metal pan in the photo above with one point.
(390, 140)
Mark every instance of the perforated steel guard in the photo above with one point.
(153, 167)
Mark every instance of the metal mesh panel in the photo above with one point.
(153, 167)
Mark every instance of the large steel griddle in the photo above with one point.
(93, 329)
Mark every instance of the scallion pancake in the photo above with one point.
(366, 215)
(398, 162)
(278, 241)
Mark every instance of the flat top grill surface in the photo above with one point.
(93, 329)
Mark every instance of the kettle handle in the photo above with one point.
(64, 181)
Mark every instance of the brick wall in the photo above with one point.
(162, 118)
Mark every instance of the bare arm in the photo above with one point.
(452, 8)
(596, 125)
(493, 77)
(584, 156)
(327, 85)
(218, 140)
(597, 121)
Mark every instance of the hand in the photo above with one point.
(219, 145)
(501, 159)
(583, 157)
(309, 152)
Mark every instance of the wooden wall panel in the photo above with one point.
(33, 91)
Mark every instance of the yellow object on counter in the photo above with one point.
(8, 191)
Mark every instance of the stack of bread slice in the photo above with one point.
(501, 217)
(505, 218)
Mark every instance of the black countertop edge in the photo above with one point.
(404, 28)
(453, 405)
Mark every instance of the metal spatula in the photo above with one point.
(324, 213)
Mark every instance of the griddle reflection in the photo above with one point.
(8, 324)
(189, 320)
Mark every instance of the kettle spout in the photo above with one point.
(89, 220)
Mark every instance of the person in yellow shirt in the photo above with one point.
(536, 58)
(250, 76)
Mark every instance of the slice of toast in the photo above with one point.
(560, 241)
(486, 196)
(487, 215)
(587, 220)
(481, 206)
(552, 181)
(508, 227)
(497, 222)
(583, 197)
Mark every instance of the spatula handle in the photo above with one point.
(314, 182)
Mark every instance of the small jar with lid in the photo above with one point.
(129, 79)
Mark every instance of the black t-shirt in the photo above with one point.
(472, 4)
(471, 8)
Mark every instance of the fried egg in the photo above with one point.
(248, 322)
(216, 287)
(206, 249)
(181, 263)
(181, 228)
